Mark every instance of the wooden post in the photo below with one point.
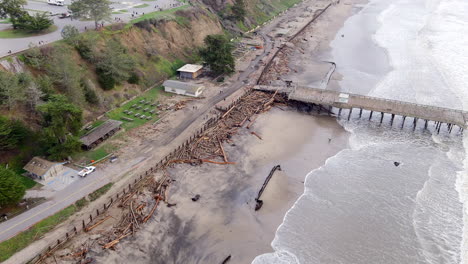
(66, 234)
(58, 241)
(403, 123)
(360, 113)
(75, 230)
(391, 121)
(349, 115)
(371, 113)
(415, 121)
(381, 117)
(105, 207)
(97, 211)
(84, 224)
(425, 124)
(339, 112)
(90, 218)
(438, 130)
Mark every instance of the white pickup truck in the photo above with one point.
(87, 170)
(56, 2)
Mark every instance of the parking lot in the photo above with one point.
(122, 10)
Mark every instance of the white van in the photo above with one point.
(56, 2)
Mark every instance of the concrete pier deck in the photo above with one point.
(342, 100)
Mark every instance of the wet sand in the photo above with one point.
(223, 222)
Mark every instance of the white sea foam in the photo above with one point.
(426, 43)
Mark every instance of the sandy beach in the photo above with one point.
(223, 222)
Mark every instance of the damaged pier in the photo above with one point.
(333, 100)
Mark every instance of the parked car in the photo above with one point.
(64, 15)
(87, 170)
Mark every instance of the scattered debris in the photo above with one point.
(268, 178)
(196, 198)
(396, 163)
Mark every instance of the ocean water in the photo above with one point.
(361, 208)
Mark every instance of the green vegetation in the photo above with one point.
(12, 33)
(218, 54)
(238, 10)
(12, 133)
(62, 123)
(114, 65)
(81, 203)
(97, 10)
(11, 188)
(5, 21)
(27, 182)
(21, 19)
(23, 239)
(170, 13)
(99, 192)
(118, 113)
(141, 6)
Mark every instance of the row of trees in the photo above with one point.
(21, 19)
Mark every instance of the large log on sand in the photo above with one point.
(268, 178)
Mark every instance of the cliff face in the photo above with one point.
(157, 47)
(258, 11)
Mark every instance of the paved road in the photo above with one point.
(123, 9)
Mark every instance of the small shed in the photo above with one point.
(100, 133)
(42, 169)
(190, 71)
(183, 88)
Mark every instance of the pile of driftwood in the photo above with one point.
(208, 147)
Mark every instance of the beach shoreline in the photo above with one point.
(223, 221)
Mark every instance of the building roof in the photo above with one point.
(97, 133)
(190, 68)
(39, 166)
(188, 87)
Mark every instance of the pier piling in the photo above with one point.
(349, 115)
(370, 116)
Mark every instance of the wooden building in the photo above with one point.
(190, 71)
(100, 133)
(183, 88)
(42, 169)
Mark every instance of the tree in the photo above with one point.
(65, 73)
(12, 9)
(238, 10)
(35, 23)
(11, 133)
(12, 88)
(218, 54)
(98, 10)
(61, 123)
(70, 34)
(114, 65)
(11, 189)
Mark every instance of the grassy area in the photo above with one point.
(27, 182)
(158, 14)
(11, 33)
(5, 21)
(95, 154)
(118, 113)
(23, 239)
(93, 126)
(99, 192)
(141, 6)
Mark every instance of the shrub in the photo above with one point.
(134, 78)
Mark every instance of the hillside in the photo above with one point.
(257, 12)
